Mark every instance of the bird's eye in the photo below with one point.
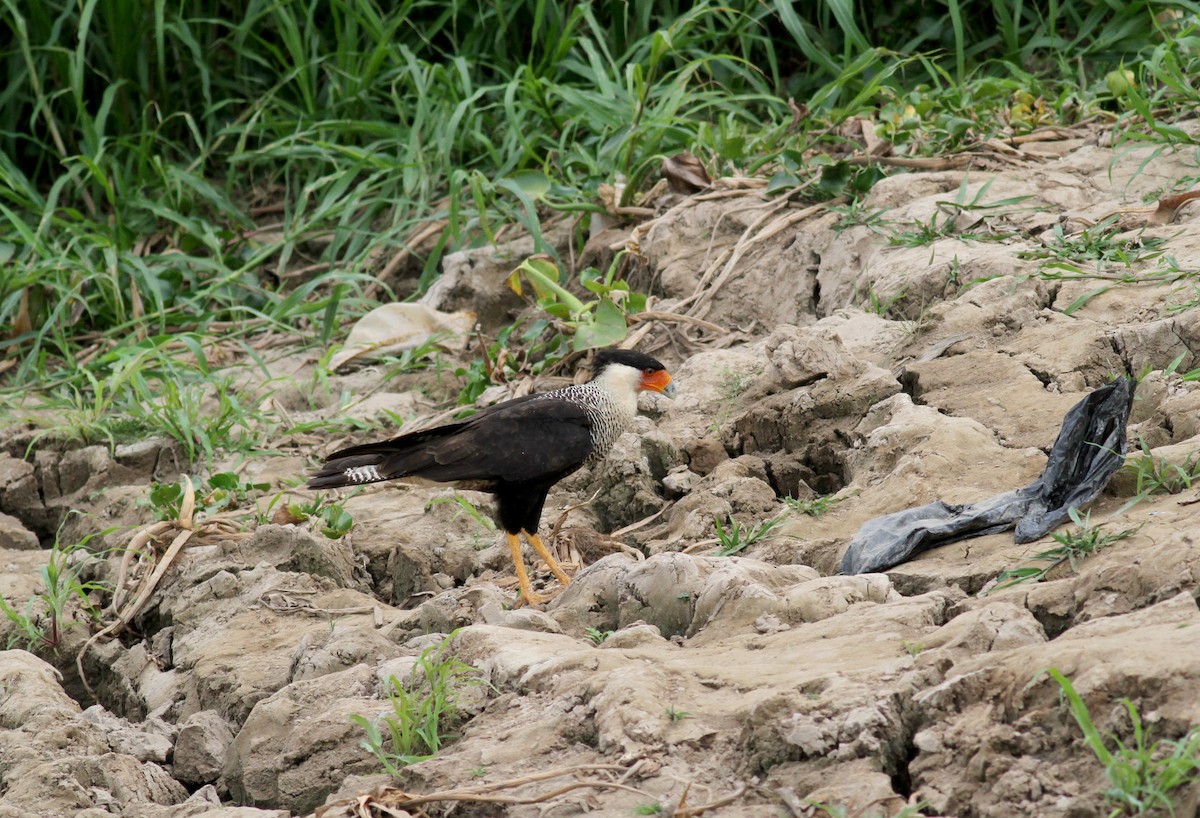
(648, 371)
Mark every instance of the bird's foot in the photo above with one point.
(534, 600)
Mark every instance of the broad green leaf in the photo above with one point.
(533, 183)
(606, 328)
(543, 275)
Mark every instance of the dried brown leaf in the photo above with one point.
(1168, 206)
(685, 174)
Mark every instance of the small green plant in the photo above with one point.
(425, 712)
(648, 809)
(923, 233)
(1073, 546)
(856, 215)
(1142, 776)
(732, 384)
(882, 306)
(1101, 243)
(336, 522)
(596, 635)
(465, 507)
(1157, 476)
(677, 715)
(46, 615)
(224, 491)
(813, 506)
(737, 536)
(913, 649)
(599, 322)
(333, 520)
(920, 234)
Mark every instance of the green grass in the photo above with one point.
(63, 601)
(1074, 546)
(596, 636)
(737, 536)
(1142, 776)
(674, 714)
(425, 712)
(1158, 476)
(815, 506)
(1102, 244)
(179, 181)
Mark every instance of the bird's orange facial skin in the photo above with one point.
(657, 381)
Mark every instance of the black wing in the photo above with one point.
(519, 441)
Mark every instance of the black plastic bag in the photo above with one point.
(1090, 448)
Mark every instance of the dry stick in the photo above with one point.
(562, 518)
(415, 239)
(688, 812)
(620, 532)
(773, 206)
(634, 338)
(919, 162)
(701, 544)
(319, 267)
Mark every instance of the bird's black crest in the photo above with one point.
(628, 357)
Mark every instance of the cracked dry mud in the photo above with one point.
(749, 684)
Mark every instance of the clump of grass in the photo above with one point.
(40, 623)
(1158, 476)
(737, 536)
(596, 635)
(923, 233)
(1142, 776)
(425, 712)
(674, 714)
(1101, 243)
(1073, 547)
(200, 426)
(813, 506)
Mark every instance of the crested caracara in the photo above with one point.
(515, 450)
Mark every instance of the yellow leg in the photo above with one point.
(527, 594)
(544, 553)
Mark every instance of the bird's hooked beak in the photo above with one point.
(660, 382)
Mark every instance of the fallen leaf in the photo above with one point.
(397, 327)
(288, 513)
(1168, 206)
(685, 173)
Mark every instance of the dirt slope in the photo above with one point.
(852, 359)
